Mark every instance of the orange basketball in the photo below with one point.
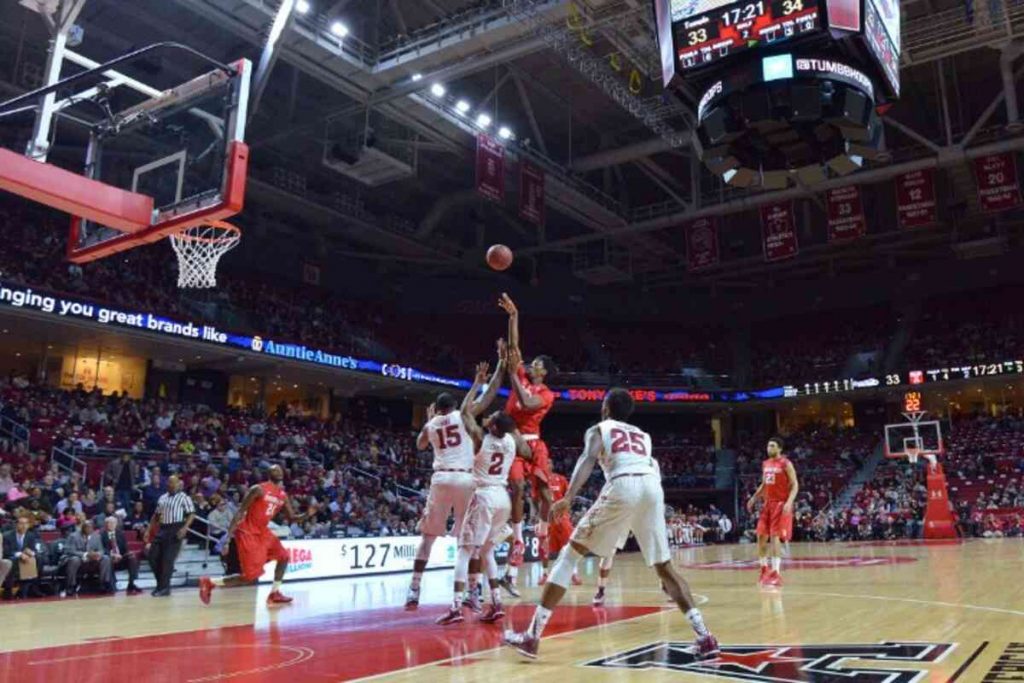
(499, 257)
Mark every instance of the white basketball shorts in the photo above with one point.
(449, 491)
(486, 518)
(627, 503)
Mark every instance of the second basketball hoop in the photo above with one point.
(917, 437)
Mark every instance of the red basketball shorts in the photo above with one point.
(774, 522)
(255, 550)
(536, 472)
(559, 534)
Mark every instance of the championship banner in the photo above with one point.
(915, 198)
(490, 168)
(701, 243)
(845, 214)
(531, 193)
(778, 229)
(998, 189)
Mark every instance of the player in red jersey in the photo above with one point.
(778, 490)
(528, 402)
(555, 536)
(255, 543)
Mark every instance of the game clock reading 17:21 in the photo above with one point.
(702, 39)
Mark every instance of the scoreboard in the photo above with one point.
(708, 31)
(882, 36)
(696, 35)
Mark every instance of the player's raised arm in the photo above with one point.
(794, 488)
(529, 401)
(423, 440)
(480, 404)
(473, 428)
(252, 495)
(479, 377)
(467, 409)
(581, 473)
(509, 306)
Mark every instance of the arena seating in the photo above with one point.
(812, 348)
(366, 478)
(825, 459)
(953, 333)
(984, 466)
(957, 331)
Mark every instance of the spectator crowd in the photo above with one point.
(831, 345)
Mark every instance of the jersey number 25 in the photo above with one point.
(627, 442)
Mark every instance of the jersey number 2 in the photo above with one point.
(449, 437)
(626, 442)
(497, 460)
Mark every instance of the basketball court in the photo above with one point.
(171, 162)
(910, 611)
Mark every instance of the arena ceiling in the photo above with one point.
(614, 186)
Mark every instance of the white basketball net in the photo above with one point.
(199, 249)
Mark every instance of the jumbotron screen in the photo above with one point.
(709, 30)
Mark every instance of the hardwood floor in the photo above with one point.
(946, 611)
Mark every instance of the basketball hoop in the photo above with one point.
(914, 454)
(199, 249)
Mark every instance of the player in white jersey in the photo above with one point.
(452, 484)
(604, 568)
(497, 444)
(632, 500)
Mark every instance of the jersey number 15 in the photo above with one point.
(449, 437)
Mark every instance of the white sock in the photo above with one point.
(540, 620)
(218, 581)
(776, 563)
(517, 529)
(764, 561)
(513, 572)
(416, 578)
(602, 581)
(696, 620)
(459, 597)
(496, 596)
(474, 581)
(277, 586)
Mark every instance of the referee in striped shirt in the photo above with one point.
(173, 517)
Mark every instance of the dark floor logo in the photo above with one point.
(1009, 666)
(805, 563)
(781, 663)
